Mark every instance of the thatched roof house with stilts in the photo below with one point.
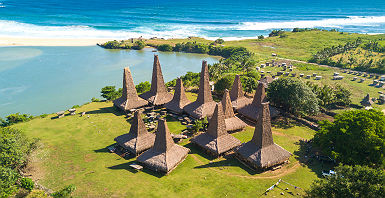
(238, 98)
(251, 111)
(233, 123)
(216, 141)
(179, 101)
(158, 94)
(204, 105)
(261, 152)
(138, 139)
(165, 155)
(129, 99)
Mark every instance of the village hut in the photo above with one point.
(165, 155)
(179, 101)
(158, 94)
(233, 123)
(261, 152)
(204, 105)
(238, 99)
(138, 139)
(129, 99)
(266, 80)
(367, 101)
(216, 140)
(250, 111)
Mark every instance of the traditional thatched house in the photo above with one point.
(261, 152)
(216, 140)
(204, 105)
(179, 100)
(251, 111)
(158, 94)
(266, 80)
(129, 99)
(165, 155)
(238, 99)
(367, 101)
(233, 123)
(138, 139)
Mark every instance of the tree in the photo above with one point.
(15, 118)
(110, 93)
(293, 95)
(219, 41)
(138, 45)
(165, 48)
(224, 83)
(342, 96)
(143, 87)
(261, 37)
(355, 137)
(350, 181)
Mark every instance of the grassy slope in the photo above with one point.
(75, 153)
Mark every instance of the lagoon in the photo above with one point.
(38, 80)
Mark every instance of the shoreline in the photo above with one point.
(25, 41)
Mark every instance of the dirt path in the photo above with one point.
(280, 172)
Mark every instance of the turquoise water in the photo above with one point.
(37, 80)
(182, 18)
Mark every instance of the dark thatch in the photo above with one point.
(165, 155)
(129, 99)
(266, 80)
(179, 100)
(261, 152)
(367, 101)
(158, 94)
(237, 96)
(138, 139)
(251, 111)
(232, 122)
(216, 140)
(204, 105)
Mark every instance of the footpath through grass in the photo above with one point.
(73, 151)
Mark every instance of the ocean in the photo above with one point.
(228, 19)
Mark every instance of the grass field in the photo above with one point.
(73, 151)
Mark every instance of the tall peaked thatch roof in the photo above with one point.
(216, 140)
(179, 100)
(232, 122)
(367, 101)
(204, 105)
(158, 94)
(129, 99)
(138, 139)
(251, 111)
(261, 152)
(237, 96)
(165, 155)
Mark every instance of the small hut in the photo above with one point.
(266, 80)
(204, 105)
(261, 152)
(129, 99)
(367, 101)
(158, 94)
(216, 140)
(233, 123)
(138, 139)
(238, 99)
(251, 111)
(179, 100)
(165, 156)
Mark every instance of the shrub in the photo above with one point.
(143, 87)
(37, 194)
(27, 183)
(282, 35)
(165, 48)
(8, 178)
(197, 126)
(219, 41)
(43, 115)
(276, 33)
(261, 37)
(350, 181)
(65, 192)
(224, 83)
(93, 99)
(110, 93)
(138, 45)
(111, 44)
(293, 95)
(75, 106)
(16, 118)
(355, 137)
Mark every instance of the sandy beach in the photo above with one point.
(18, 41)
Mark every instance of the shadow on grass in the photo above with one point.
(112, 110)
(126, 166)
(306, 155)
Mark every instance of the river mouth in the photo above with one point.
(50, 79)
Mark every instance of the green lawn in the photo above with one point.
(73, 151)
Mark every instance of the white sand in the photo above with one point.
(18, 41)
